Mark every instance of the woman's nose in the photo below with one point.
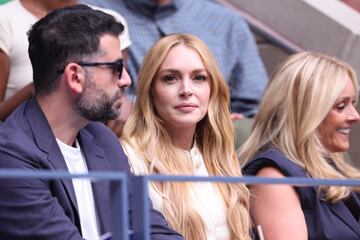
(354, 115)
(186, 88)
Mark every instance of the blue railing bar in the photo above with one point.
(140, 208)
(106, 175)
(112, 175)
(120, 210)
(259, 180)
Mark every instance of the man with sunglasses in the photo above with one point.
(79, 79)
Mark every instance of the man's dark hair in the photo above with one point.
(66, 35)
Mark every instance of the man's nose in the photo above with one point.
(125, 80)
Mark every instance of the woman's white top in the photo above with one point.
(205, 196)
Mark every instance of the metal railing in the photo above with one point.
(140, 216)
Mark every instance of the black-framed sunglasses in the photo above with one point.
(117, 66)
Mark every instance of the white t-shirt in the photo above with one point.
(75, 162)
(15, 22)
(205, 196)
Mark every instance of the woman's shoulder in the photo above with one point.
(273, 158)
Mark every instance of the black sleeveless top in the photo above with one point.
(324, 220)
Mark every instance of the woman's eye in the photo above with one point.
(169, 78)
(200, 77)
(340, 106)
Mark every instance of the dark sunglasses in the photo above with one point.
(117, 66)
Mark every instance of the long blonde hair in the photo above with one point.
(299, 96)
(214, 136)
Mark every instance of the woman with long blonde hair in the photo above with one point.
(181, 125)
(301, 130)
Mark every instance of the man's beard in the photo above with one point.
(95, 105)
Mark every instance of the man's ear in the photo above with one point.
(74, 77)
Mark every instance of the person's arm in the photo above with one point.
(236, 116)
(248, 77)
(277, 209)
(4, 73)
(160, 229)
(7, 106)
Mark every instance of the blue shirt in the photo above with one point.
(225, 32)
